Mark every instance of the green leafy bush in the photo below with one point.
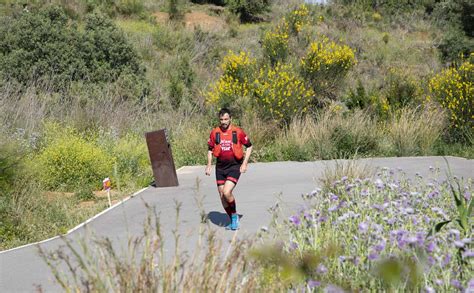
(10, 163)
(48, 45)
(132, 164)
(401, 89)
(248, 10)
(70, 161)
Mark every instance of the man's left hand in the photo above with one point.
(243, 168)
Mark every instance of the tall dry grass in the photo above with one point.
(414, 131)
(338, 135)
(95, 265)
(348, 169)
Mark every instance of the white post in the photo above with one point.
(106, 184)
(108, 195)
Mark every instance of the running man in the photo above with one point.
(226, 144)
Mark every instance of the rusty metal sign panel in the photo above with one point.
(161, 158)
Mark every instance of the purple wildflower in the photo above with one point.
(456, 284)
(308, 216)
(401, 242)
(409, 210)
(431, 247)
(323, 219)
(411, 240)
(373, 255)
(468, 254)
(391, 221)
(293, 245)
(295, 220)
(455, 233)
(470, 284)
(420, 237)
(333, 289)
(431, 260)
(429, 289)
(321, 269)
(379, 183)
(380, 246)
(427, 219)
(333, 208)
(332, 196)
(393, 186)
(364, 192)
(433, 194)
(439, 282)
(342, 258)
(380, 207)
(315, 191)
(459, 244)
(363, 227)
(349, 187)
(313, 284)
(343, 179)
(355, 260)
(467, 195)
(446, 260)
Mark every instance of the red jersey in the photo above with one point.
(226, 157)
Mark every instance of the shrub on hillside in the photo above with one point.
(69, 162)
(281, 94)
(297, 18)
(453, 89)
(48, 45)
(401, 89)
(114, 7)
(132, 164)
(234, 86)
(390, 7)
(10, 162)
(326, 64)
(275, 43)
(248, 10)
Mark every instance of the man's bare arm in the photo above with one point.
(248, 152)
(209, 163)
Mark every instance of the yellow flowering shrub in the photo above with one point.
(326, 63)
(275, 43)
(69, 162)
(453, 89)
(297, 18)
(234, 84)
(281, 94)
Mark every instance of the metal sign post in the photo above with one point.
(161, 158)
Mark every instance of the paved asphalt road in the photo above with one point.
(21, 270)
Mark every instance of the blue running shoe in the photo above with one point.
(229, 227)
(234, 224)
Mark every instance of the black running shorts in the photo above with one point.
(231, 174)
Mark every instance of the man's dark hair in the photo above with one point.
(224, 111)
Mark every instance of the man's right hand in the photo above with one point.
(208, 170)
